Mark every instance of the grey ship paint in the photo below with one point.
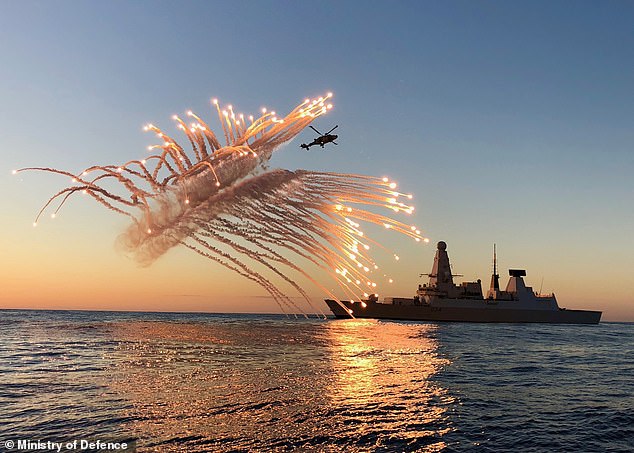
(442, 300)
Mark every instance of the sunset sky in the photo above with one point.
(510, 122)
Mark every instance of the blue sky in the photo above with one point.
(509, 121)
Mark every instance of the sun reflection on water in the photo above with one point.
(279, 385)
(382, 374)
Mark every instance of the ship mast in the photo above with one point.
(441, 276)
(495, 278)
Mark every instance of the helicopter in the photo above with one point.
(322, 139)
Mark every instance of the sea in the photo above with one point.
(163, 382)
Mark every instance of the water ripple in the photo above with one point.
(179, 382)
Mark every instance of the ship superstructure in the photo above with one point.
(442, 300)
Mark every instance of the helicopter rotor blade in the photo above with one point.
(315, 130)
(331, 130)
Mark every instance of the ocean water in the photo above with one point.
(220, 383)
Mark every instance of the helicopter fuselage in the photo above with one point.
(321, 141)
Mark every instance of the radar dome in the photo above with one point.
(442, 245)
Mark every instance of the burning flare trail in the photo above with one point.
(215, 199)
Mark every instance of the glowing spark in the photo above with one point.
(217, 197)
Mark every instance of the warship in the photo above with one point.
(442, 300)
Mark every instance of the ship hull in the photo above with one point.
(484, 314)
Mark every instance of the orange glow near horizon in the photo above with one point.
(47, 274)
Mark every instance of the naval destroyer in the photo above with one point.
(442, 300)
